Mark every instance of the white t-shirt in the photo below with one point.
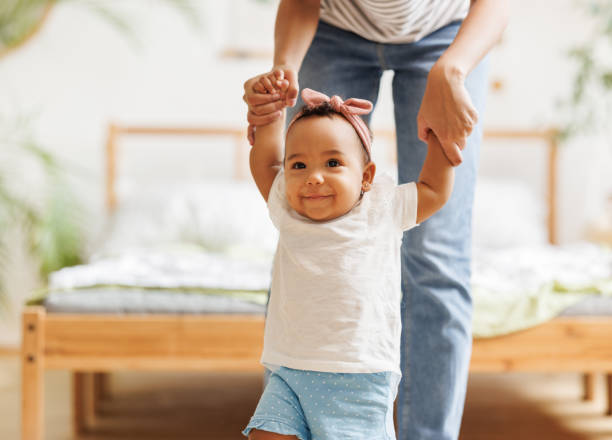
(336, 285)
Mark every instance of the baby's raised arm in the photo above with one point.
(436, 180)
(266, 158)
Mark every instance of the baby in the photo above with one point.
(332, 334)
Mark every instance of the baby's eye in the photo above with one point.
(298, 165)
(333, 163)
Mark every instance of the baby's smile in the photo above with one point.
(316, 197)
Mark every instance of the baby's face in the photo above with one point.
(324, 167)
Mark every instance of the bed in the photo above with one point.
(223, 330)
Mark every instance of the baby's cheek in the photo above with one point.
(353, 197)
(353, 187)
(292, 198)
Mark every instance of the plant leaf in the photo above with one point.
(189, 11)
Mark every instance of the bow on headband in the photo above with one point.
(350, 109)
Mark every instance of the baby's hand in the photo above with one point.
(272, 83)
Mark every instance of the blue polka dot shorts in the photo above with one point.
(314, 405)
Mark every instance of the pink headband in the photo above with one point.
(350, 109)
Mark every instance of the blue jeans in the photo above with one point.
(436, 305)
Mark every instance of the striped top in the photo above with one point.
(392, 21)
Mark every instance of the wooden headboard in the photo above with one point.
(238, 135)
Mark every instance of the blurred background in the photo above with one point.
(69, 68)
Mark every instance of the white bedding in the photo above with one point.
(514, 270)
(512, 289)
(509, 272)
(216, 237)
(517, 288)
(176, 267)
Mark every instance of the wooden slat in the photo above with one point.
(101, 389)
(32, 374)
(552, 190)
(80, 407)
(609, 393)
(563, 344)
(588, 386)
(234, 343)
(180, 130)
(111, 167)
(157, 342)
(155, 363)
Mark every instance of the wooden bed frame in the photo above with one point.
(107, 343)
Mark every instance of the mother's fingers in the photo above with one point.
(263, 119)
(264, 109)
(461, 142)
(293, 87)
(452, 153)
(259, 98)
(473, 113)
(468, 127)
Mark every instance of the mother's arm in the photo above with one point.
(296, 24)
(446, 108)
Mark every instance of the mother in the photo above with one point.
(435, 49)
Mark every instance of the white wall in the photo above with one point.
(79, 73)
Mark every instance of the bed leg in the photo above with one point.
(82, 402)
(32, 374)
(588, 382)
(78, 422)
(101, 390)
(609, 393)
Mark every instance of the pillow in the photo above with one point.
(507, 213)
(221, 216)
(232, 217)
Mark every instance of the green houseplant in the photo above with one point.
(589, 103)
(47, 214)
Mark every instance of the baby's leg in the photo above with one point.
(256, 434)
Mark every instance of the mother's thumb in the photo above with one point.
(422, 129)
(294, 87)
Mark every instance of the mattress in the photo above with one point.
(144, 301)
(592, 305)
(512, 290)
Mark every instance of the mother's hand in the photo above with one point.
(264, 105)
(447, 110)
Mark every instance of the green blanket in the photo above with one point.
(498, 314)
